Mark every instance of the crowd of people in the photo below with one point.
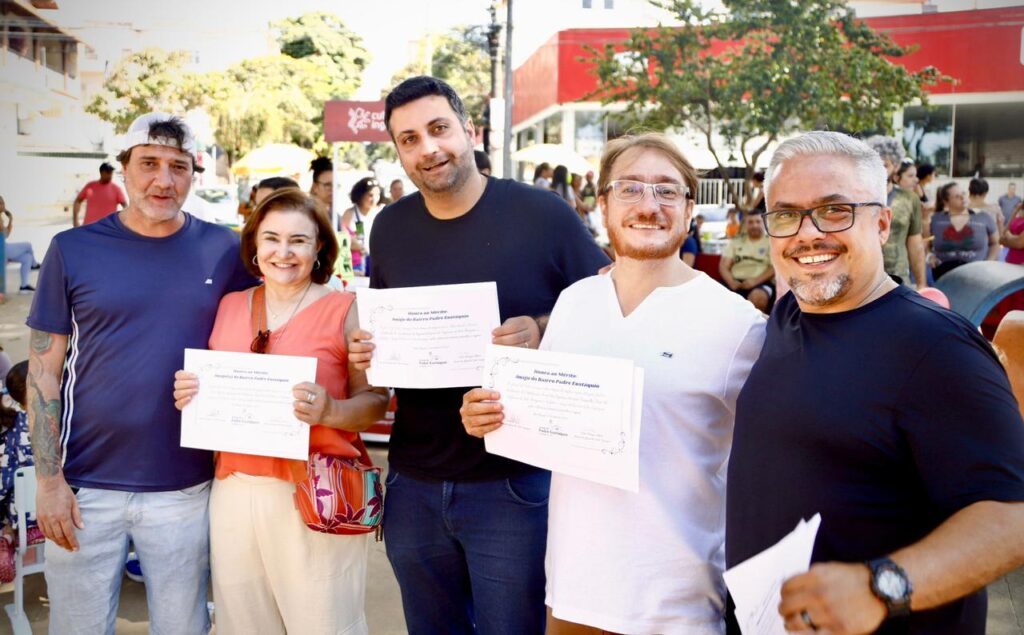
(842, 393)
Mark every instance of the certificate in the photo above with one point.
(573, 414)
(429, 337)
(756, 583)
(245, 404)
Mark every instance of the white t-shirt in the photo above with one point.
(651, 562)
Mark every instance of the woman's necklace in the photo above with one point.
(295, 309)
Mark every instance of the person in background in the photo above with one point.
(357, 220)
(16, 453)
(1013, 236)
(396, 189)
(20, 252)
(542, 176)
(925, 178)
(904, 251)
(961, 235)
(977, 191)
(689, 250)
(323, 182)
(101, 197)
(589, 191)
(732, 222)
(746, 265)
(1008, 202)
(268, 186)
(483, 162)
(245, 206)
(560, 185)
(756, 202)
(271, 573)
(695, 230)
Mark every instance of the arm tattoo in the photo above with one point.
(44, 414)
(40, 341)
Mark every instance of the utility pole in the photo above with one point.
(493, 46)
(506, 149)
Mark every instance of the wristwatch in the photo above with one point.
(890, 584)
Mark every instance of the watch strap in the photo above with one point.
(896, 606)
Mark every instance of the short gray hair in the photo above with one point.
(887, 147)
(833, 144)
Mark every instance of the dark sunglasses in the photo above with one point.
(260, 342)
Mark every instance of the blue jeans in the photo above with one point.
(22, 253)
(172, 539)
(469, 557)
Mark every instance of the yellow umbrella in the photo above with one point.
(273, 159)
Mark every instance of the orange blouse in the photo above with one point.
(316, 331)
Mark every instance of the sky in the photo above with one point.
(223, 32)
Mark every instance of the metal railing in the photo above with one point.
(714, 192)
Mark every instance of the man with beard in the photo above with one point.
(119, 301)
(886, 414)
(746, 267)
(465, 530)
(669, 580)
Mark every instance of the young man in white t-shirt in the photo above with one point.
(651, 561)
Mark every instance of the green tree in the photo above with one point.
(149, 80)
(272, 99)
(324, 39)
(756, 71)
(460, 58)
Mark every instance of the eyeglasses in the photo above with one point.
(830, 218)
(633, 191)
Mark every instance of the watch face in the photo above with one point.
(891, 584)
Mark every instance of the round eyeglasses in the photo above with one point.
(633, 191)
(829, 219)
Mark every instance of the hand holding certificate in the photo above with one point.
(245, 404)
(756, 583)
(574, 414)
(429, 337)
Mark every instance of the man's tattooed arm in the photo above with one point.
(45, 366)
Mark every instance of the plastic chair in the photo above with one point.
(28, 559)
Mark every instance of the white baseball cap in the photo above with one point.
(138, 134)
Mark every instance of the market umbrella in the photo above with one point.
(554, 155)
(273, 159)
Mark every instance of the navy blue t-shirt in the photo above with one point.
(886, 419)
(130, 306)
(528, 241)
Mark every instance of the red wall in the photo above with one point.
(981, 49)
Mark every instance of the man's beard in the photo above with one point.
(645, 252)
(821, 291)
(464, 167)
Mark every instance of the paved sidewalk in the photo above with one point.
(383, 603)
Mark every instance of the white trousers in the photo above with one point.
(272, 574)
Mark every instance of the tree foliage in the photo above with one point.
(759, 70)
(323, 39)
(271, 99)
(146, 81)
(460, 58)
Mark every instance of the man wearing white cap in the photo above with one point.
(118, 302)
